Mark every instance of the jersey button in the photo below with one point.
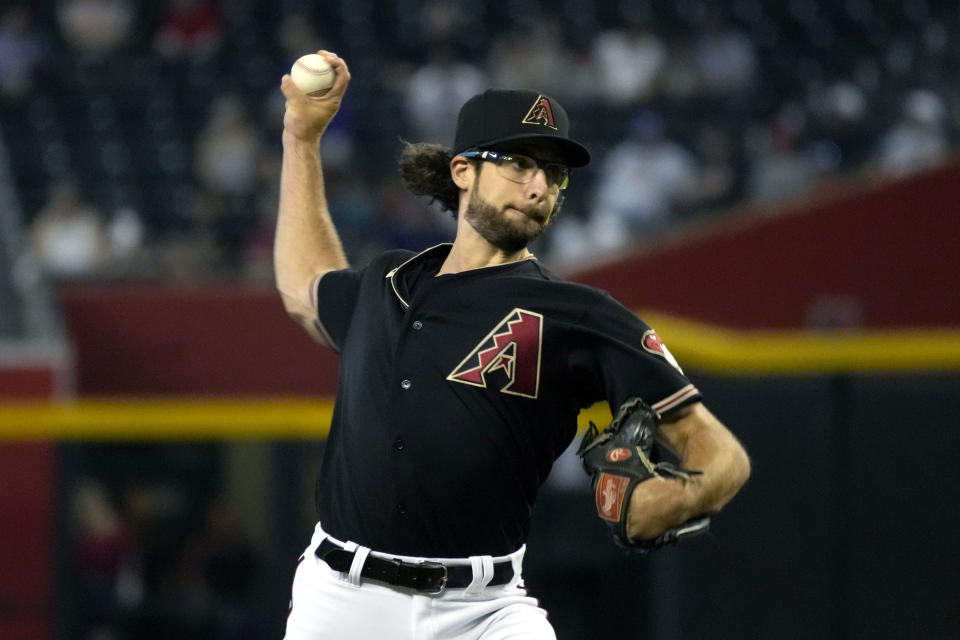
(399, 444)
(402, 509)
(417, 325)
(406, 384)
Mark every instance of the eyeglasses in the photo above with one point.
(522, 169)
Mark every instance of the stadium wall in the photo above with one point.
(850, 427)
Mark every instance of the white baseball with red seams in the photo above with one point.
(312, 74)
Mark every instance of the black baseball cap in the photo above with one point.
(499, 116)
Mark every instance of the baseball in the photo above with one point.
(312, 74)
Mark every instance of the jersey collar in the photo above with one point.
(440, 251)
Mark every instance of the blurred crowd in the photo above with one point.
(147, 557)
(143, 137)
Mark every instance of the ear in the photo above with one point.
(462, 172)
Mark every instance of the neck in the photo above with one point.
(471, 251)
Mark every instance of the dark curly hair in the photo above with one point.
(425, 168)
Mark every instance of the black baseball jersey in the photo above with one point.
(457, 392)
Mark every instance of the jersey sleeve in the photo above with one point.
(336, 294)
(624, 357)
(334, 299)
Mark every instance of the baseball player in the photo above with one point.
(462, 371)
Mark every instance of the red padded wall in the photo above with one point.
(891, 251)
(191, 341)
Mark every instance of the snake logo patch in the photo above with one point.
(654, 344)
(540, 113)
(512, 348)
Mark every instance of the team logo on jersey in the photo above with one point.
(654, 344)
(513, 348)
(540, 113)
(609, 496)
(619, 454)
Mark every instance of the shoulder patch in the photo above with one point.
(654, 344)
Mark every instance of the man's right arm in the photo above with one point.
(306, 245)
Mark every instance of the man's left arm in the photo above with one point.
(703, 444)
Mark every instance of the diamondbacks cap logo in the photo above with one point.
(540, 113)
(654, 344)
(513, 349)
(609, 496)
(619, 454)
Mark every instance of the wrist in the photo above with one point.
(310, 142)
(656, 505)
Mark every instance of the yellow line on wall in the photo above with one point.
(139, 419)
(711, 349)
(152, 419)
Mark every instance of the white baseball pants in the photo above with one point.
(330, 605)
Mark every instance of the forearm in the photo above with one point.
(707, 446)
(704, 445)
(306, 244)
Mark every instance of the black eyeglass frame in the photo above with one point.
(498, 158)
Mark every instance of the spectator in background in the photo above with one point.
(839, 120)
(531, 57)
(642, 180)
(440, 21)
(780, 168)
(720, 166)
(109, 583)
(125, 234)
(67, 235)
(577, 83)
(227, 150)
(681, 77)
(227, 164)
(725, 59)
(435, 92)
(95, 28)
(189, 31)
(628, 63)
(23, 50)
(919, 140)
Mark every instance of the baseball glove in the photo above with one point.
(621, 457)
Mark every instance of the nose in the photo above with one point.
(538, 187)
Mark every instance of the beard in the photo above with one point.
(505, 233)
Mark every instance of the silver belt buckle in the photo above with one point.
(443, 581)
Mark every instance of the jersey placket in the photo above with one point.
(408, 390)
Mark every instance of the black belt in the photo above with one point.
(425, 576)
